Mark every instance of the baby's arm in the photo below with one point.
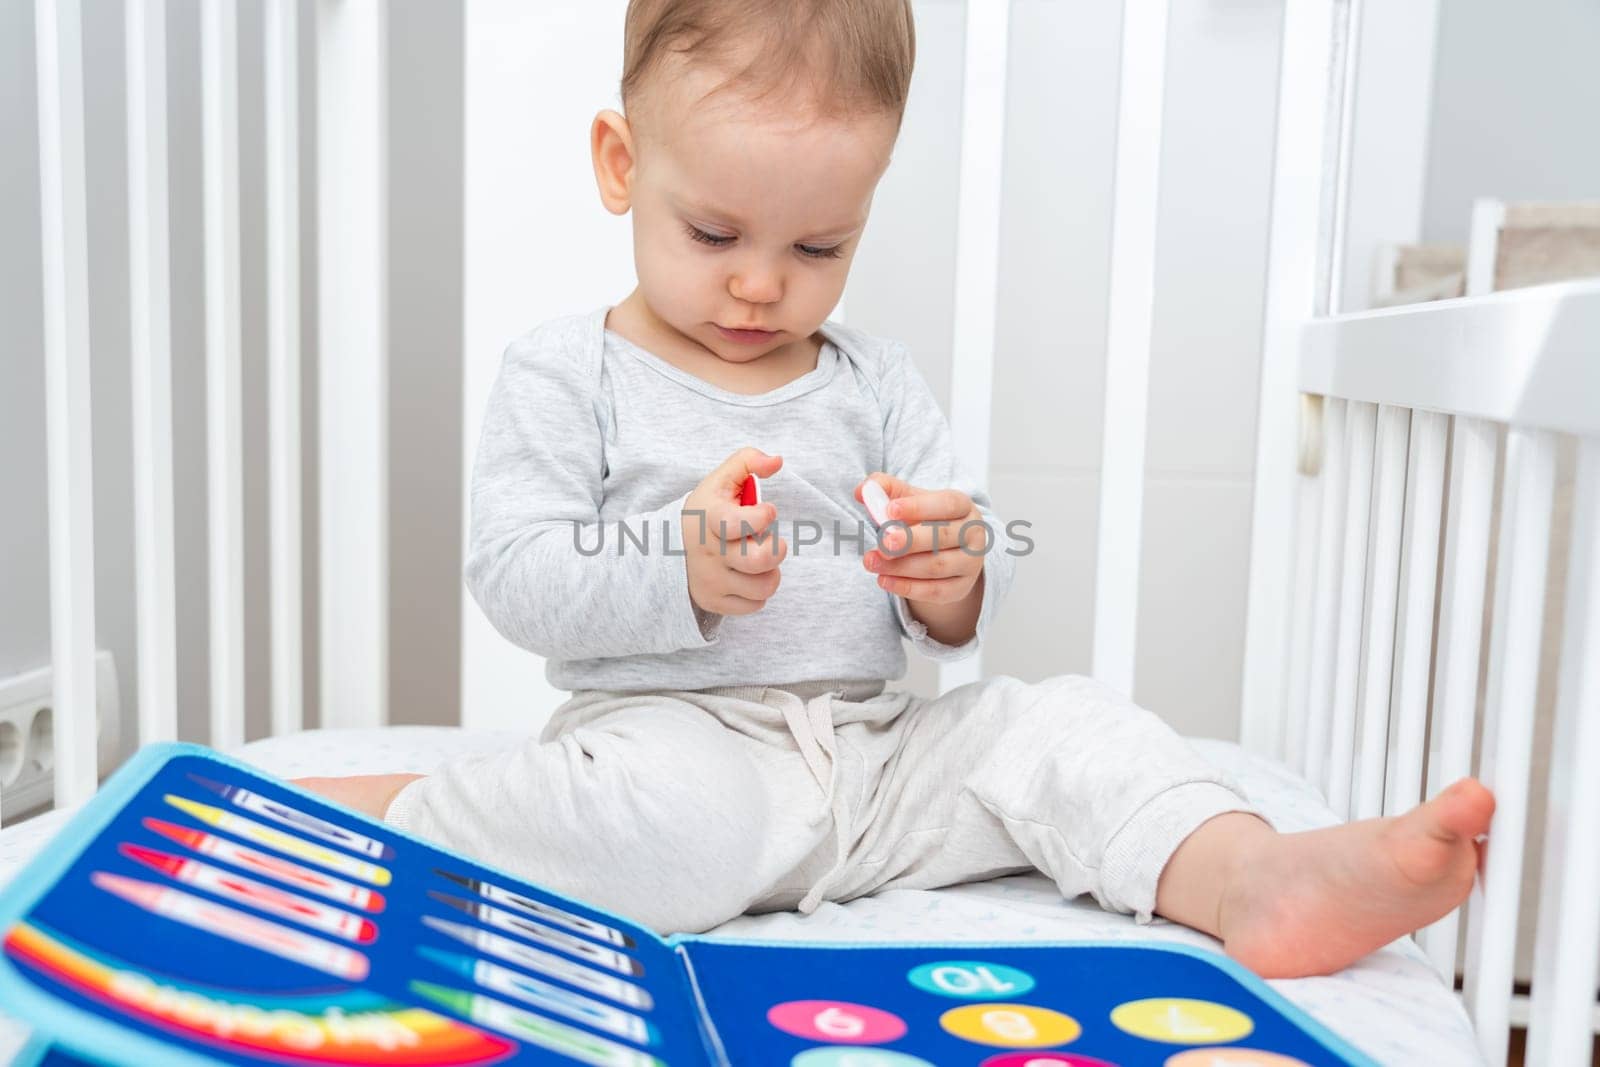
(532, 561)
(918, 451)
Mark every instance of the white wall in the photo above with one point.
(1516, 95)
(1216, 184)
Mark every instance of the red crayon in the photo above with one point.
(326, 885)
(256, 894)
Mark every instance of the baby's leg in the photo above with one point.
(1106, 799)
(653, 810)
(1064, 775)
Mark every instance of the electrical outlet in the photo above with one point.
(27, 735)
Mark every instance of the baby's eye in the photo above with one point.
(819, 253)
(697, 234)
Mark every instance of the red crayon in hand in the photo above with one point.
(750, 491)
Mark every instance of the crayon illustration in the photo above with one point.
(296, 819)
(539, 909)
(256, 894)
(261, 834)
(236, 926)
(546, 963)
(538, 932)
(535, 1029)
(230, 852)
(543, 995)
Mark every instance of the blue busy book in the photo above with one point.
(197, 911)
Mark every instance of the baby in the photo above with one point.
(730, 744)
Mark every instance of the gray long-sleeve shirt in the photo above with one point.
(590, 448)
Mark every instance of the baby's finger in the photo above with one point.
(731, 522)
(735, 605)
(753, 555)
(898, 538)
(895, 487)
(933, 590)
(931, 504)
(730, 473)
(757, 587)
(947, 563)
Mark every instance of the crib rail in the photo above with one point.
(349, 183)
(1530, 352)
(1406, 394)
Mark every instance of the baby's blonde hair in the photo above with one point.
(854, 55)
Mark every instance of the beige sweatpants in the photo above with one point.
(684, 808)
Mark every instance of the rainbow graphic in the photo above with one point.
(353, 1027)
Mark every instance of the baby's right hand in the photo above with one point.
(730, 574)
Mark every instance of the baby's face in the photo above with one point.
(744, 217)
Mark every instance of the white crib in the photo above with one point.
(1378, 449)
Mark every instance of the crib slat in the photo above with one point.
(1511, 694)
(1565, 967)
(1325, 611)
(1394, 425)
(1455, 687)
(1414, 654)
(353, 380)
(1362, 428)
(983, 124)
(1292, 719)
(64, 247)
(1128, 326)
(1296, 289)
(281, 71)
(150, 349)
(219, 98)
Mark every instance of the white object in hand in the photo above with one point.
(877, 501)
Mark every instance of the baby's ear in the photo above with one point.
(611, 146)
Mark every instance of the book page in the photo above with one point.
(196, 905)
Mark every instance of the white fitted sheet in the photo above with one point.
(1391, 1005)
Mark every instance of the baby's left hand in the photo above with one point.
(370, 794)
(935, 519)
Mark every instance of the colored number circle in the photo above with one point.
(1232, 1057)
(855, 1057)
(836, 1021)
(1044, 1059)
(1181, 1022)
(969, 980)
(1011, 1025)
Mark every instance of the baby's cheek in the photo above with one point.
(678, 289)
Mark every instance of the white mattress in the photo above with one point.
(1391, 1005)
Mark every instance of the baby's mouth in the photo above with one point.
(745, 336)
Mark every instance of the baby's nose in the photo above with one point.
(756, 286)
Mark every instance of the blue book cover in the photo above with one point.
(197, 911)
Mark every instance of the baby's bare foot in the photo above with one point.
(1314, 902)
(370, 794)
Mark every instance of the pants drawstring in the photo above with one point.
(811, 724)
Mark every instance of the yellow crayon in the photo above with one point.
(262, 834)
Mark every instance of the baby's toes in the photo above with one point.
(1463, 810)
